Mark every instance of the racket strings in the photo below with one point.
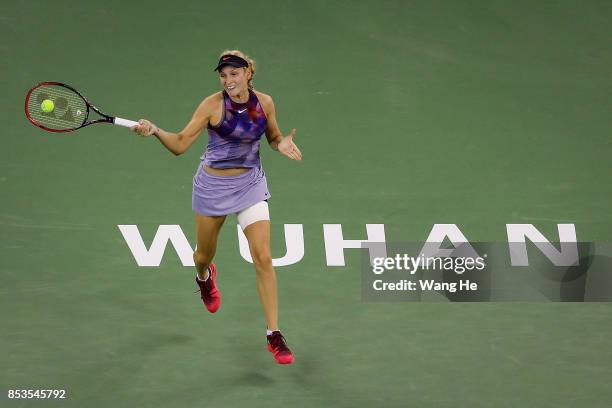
(69, 109)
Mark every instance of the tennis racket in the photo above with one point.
(57, 107)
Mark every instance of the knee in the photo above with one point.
(202, 258)
(262, 259)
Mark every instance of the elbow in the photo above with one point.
(179, 147)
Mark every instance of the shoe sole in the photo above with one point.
(286, 360)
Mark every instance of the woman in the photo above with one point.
(230, 180)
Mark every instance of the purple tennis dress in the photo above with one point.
(234, 142)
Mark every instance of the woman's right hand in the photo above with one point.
(145, 128)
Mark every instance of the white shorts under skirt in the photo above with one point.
(254, 213)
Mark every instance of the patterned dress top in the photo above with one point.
(234, 142)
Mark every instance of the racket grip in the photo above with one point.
(124, 122)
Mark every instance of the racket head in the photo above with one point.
(70, 111)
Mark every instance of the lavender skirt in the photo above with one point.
(223, 195)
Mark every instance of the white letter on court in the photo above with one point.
(517, 234)
(294, 240)
(154, 255)
(335, 243)
(436, 237)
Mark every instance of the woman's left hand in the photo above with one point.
(288, 148)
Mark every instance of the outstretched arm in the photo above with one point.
(179, 143)
(278, 142)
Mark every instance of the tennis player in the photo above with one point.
(230, 180)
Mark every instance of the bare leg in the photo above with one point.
(207, 232)
(258, 235)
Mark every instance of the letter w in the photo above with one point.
(154, 255)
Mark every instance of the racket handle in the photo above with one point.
(124, 122)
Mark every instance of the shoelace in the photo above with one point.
(277, 341)
(205, 284)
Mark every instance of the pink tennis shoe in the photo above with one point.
(208, 290)
(278, 346)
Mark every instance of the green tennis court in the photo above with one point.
(408, 114)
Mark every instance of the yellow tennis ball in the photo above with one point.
(47, 106)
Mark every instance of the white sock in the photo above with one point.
(207, 276)
(269, 332)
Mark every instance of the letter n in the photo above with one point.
(519, 233)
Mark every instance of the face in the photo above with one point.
(235, 81)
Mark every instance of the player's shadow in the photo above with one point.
(255, 378)
(589, 280)
(260, 369)
(253, 357)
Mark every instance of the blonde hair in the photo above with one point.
(248, 59)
